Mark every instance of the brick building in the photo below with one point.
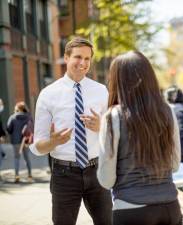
(29, 49)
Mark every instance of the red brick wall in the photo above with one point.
(17, 69)
(33, 81)
(81, 14)
(55, 39)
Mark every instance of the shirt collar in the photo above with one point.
(71, 82)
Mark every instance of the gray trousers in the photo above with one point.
(17, 156)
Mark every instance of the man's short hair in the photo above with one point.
(77, 42)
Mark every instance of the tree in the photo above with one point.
(118, 26)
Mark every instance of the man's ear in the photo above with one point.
(66, 58)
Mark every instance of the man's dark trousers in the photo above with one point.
(69, 185)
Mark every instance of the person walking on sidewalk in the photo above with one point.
(71, 107)
(2, 135)
(175, 99)
(15, 126)
(140, 146)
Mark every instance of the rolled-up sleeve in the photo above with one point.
(43, 120)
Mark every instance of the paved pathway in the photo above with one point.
(28, 203)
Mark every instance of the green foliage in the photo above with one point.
(118, 26)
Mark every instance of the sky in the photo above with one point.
(163, 11)
(167, 9)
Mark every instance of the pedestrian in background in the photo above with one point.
(140, 146)
(2, 139)
(15, 125)
(2, 134)
(175, 98)
(71, 107)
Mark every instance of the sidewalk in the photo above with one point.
(28, 203)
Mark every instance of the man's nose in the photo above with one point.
(82, 61)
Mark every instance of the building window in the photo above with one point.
(63, 43)
(45, 74)
(13, 2)
(28, 9)
(14, 10)
(62, 3)
(64, 7)
(42, 10)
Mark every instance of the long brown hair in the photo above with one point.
(133, 85)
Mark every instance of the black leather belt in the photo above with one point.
(91, 162)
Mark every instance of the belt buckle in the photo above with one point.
(92, 162)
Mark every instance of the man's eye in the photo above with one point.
(78, 57)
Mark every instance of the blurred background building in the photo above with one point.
(29, 39)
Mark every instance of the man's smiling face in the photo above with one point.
(78, 62)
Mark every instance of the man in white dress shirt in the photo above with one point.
(67, 123)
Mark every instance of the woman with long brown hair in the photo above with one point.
(140, 146)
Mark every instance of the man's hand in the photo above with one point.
(91, 122)
(56, 138)
(60, 137)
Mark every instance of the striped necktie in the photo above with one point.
(80, 132)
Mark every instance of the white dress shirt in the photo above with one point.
(56, 104)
